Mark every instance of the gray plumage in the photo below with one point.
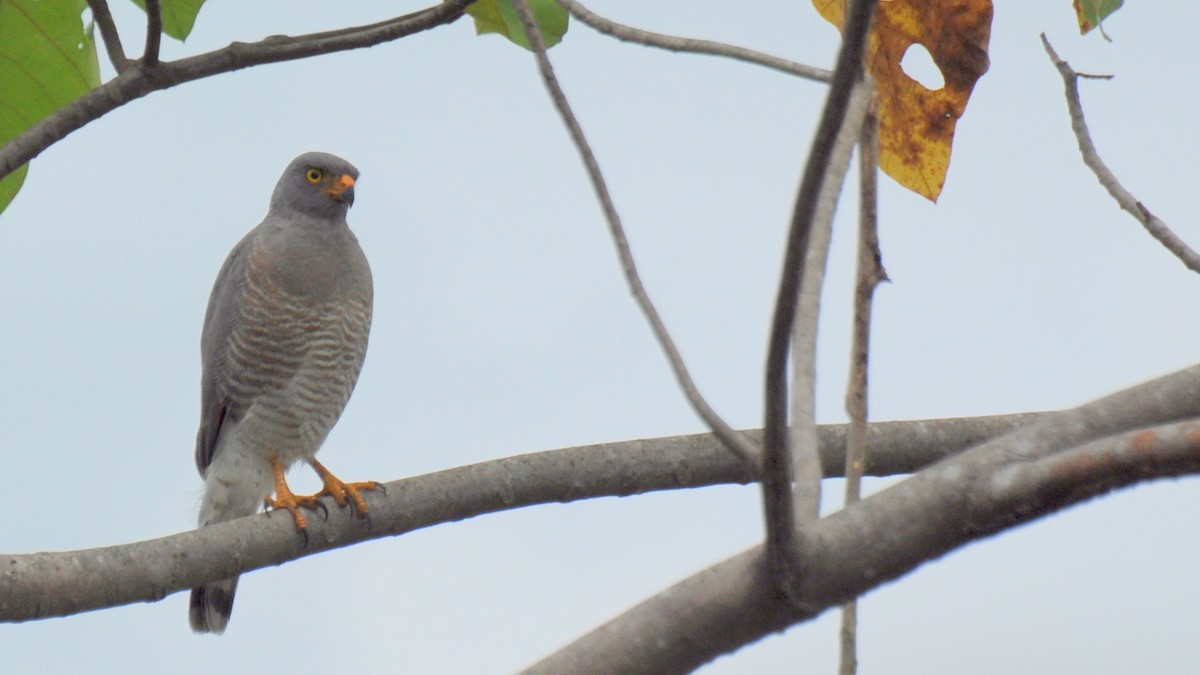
(284, 339)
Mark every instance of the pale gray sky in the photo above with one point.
(502, 326)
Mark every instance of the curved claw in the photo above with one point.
(320, 506)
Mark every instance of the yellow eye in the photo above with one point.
(314, 175)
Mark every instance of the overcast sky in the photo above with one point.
(502, 326)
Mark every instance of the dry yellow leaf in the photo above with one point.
(916, 125)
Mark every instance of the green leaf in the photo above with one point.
(498, 16)
(47, 60)
(1091, 12)
(178, 16)
(11, 185)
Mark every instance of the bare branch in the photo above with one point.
(946, 506)
(108, 32)
(736, 443)
(681, 44)
(59, 584)
(777, 461)
(869, 275)
(135, 83)
(154, 27)
(806, 459)
(1156, 227)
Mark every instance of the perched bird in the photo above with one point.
(284, 339)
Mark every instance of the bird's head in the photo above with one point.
(316, 184)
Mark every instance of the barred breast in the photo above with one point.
(293, 358)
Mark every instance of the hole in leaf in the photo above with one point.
(919, 65)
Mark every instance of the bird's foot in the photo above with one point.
(341, 492)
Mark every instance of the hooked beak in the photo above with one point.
(343, 189)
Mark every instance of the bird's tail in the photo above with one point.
(211, 606)
(228, 493)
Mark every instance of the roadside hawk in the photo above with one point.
(284, 339)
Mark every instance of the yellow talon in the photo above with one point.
(333, 487)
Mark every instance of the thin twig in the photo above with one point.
(135, 83)
(732, 439)
(108, 32)
(802, 434)
(681, 44)
(869, 275)
(1156, 227)
(777, 505)
(154, 27)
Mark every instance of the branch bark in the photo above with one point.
(44, 585)
(137, 81)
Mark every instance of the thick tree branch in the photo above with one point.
(137, 81)
(776, 479)
(990, 488)
(58, 584)
(692, 45)
(737, 444)
(1091, 157)
(154, 27)
(108, 32)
